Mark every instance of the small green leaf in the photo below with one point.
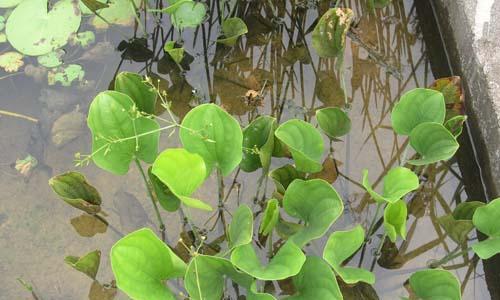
(455, 125)
(258, 135)
(215, 135)
(283, 176)
(133, 85)
(433, 142)
(188, 14)
(315, 281)
(333, 121)
(395, 220)
(241, 227)
(435, 284)
(339, 247)
(114, 124)
(328, 37)
(486, 220)
(304, 142)
(232, 29)
(176, 53)
(87, 264)
(316, 203)
(141, 263)
(270, 218)
(74, 189)
(167, 199)
(416, 107)
(183, 173)
(287, 262)
(398, 182)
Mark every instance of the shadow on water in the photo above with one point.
(272, 70)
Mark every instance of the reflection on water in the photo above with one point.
(272, 70)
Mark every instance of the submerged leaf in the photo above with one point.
(232, 29)
(87, 264)
(435, 284)
(328, 37)
(486, 219)
(433, 142)
(87, 225)
(74, 189)
(65, 74)
(11, 61)
(398, 182)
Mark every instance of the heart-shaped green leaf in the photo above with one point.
(328, 37)
(167, 199)
(87, 264)
(270, 218)
(395, 220)
(74, 189)
(316, 281)
(241, 227)
(141, 263)
(32, 30)
(133, 85)
(333, 121)
(176, 53)
(433, 142)
(304, 142)
(398, 182)
(115, 130)
(286, 263)
(215, 135)
(316, 203)
(456, 229)
(486, 220)
(188, 14)
(183, 173)
(339, 247)
(283, 176)
(416, 107)
(258, 141)
(232, 29)
(435, 284)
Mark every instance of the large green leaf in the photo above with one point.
(398, 182)
(333, 121)
(167, 199)
(215, 135)
(241, 227)
(133, 85)
(416, 107)
(287, 262)
(433, 142)
(283, 176)
(258, 139)
(87, 264)
(435, 284)
(232, 29)
(316, 281)
(395, 220)
(74, 189)
(486, 219)
(141, 263)
(183, 173)
(112, 117)
(328, 37)
(270, 217)
(316, 203)
(304, 142)
(34, 31)
(339, 247)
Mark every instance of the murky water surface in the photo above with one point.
(384, 57)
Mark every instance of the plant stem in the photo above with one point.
(150, 193)
(450, 256)
(369, 233)
(377, 254)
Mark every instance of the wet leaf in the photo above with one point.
(232, 29)
(183, 173)
(287, 262)
(112, 118)
(100, 292)
(485, 219)
(270, 217)
(433, 142)
(176, 53)
(328, 37)
(416, 107)
(435, 284)
(141, 262)
(304, 142)
(65, 74)
(32, 30)
(316, 203)
(74, 189)
(241, 227)
(133, 85)
(87, 225)
(339, 247)
(167, 199)
(215, 135)
(68, 127)
(316, 281)
(398, 182)
(395, 215)
(258, 137)
(11, 61)
(52, 59)
(87, 264)
(333, 121)
(283, 176)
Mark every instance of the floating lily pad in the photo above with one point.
(328, 37)
(65, 75)
(87, 264)
(433, 142)
(32, 30)
(333, 121)
(232, 29)
(398, 182)
(118, 12)
(188, 14)
(486, 220)
(11, 61)
(52, 59)
(435, 284)
(74, 189)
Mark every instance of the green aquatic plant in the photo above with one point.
(232, 29)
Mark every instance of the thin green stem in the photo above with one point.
(450, 256)
(369, 233)
(377, 254)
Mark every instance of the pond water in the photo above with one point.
(385, 56)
